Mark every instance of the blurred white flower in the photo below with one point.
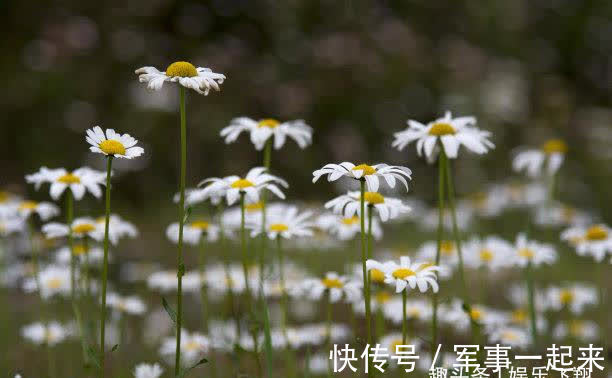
(595, 241)
(80, 228)
(416, 309)
(532, 252)
(546, 160)
(345, 228)
(193, 347)
(511, 336)
(40, 334)
(54, 280)
(582, 330)
(145, 370)
(45, 210)
(336, 286)
(574, 297)
(84, 254)
(193, 232)
(491, 252)
(284, 221)
(186, 74)
(78, 181)
(262, 130)
(132, 305)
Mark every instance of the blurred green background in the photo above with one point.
(355, 71)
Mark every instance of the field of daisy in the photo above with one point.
(237, 202)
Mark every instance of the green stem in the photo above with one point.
(441, 171)
(328, 324)
(267, 158)
(451, 202)
(604, 319)
(109, 164)
(366, 288)
(404, 318)
(73, 284)
(532, 311)
(181, 215)
(230, 292)
(243, 246)
(203, 296)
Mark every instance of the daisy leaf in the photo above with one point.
(169, 310)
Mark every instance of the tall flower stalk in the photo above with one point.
(366, 281)
(441, 171)
(110, 144)
(531, 303)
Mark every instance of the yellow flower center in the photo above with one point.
(479, 199)
(508, 335)
(278, 227)
(476, 314)
(566, 297)
(241, 184)
(54, 283)
(28, 205)
(519, 316)
(486, 255)
(576, 327)
(350, 221)
(526, 253)
(268, 122)
(181, 69)
(4, 196)
(112, 147)
(441, 128)
(413, 312)
(377, 275)
(394, 345)
(79, 249)
(568, 213)
(367, 169)
(447, 248)
(83, 228)
(373, 198)
(382, 297)
(554, 146)
(425, 265)
(254, 206)
(332, 283)
(596, 233)
(192, 345)
(200, 225)
(402, 273)
(69, 178)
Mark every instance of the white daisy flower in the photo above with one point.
(79, 181)
(560, 214)
(165, 281)
(262, 130)
(454, 315)
(487, 204)
(112, 144)
(394, 340)
(255, 181)
(511, 336)
(11, 225)
(407, 274)
(372, 174)
(9, 204)
(464, 216)
(221, 280)
(346, 228)
(349, 205)
(449, 256)
(54, 280)
(194, 196)
(574, 297)
(186, 74)
(286, 222)
(491, 252)
(118, 228)
(40, 334)
(583, 330)
(521, 195)
(193, 347)
(545, 160)
(416, 309)
(595, 241)
(80, 227)
(529, 251)
(338, 287)
(84, 254)
(450, 132)
(45, 210)
(145, 370)
(193, 232)
(132, 305)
